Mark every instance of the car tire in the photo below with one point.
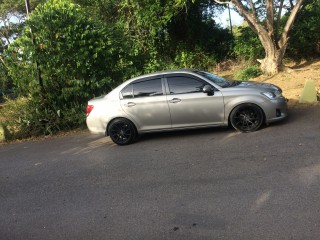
(122, 131)
(246, 117)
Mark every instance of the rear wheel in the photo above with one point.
(246, 118)
(122, 131)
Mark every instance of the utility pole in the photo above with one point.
(27, 7)
(35, 44)
(228, 3)
(230, 22)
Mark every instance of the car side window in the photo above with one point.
(180, 85)
(147, 88)
(127, 92)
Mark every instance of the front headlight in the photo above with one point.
(272, 95)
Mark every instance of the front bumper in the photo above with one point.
(277, 111)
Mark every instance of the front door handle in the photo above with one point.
(130, 104)
(175, 100)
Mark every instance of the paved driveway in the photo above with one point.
(203, 184)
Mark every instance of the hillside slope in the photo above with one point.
(292, 82)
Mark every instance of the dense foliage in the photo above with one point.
(64, 60)
(248, 72)
(305, 40)
(247, 46)
(195, 40)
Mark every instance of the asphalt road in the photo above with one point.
(202, 184)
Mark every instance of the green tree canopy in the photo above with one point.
(78, 59)
(305, 39)
(72, 49)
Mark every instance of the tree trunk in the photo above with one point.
(269, 66)
(272, 63)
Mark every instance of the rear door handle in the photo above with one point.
(130, 104)
(175, 100)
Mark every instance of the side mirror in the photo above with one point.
(208, 90)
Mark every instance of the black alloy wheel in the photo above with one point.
(246, 118)
(122, 131)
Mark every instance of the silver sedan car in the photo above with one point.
(183, 99)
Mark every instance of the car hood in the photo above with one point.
(256, 85)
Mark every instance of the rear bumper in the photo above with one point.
(95, 125)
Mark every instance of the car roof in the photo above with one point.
(114, 93)
(183, 70)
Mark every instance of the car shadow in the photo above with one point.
(302, 111)
(184, 133)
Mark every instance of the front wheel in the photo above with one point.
(246, 118)
(122, 131)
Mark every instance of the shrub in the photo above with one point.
(14, 120)
(79, 58)
(194, 59)
(30, 116)
(249, 72)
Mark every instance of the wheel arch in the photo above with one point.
(116, 118)
(246, 103)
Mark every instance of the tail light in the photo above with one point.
(89, 109)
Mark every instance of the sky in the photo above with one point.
(223, 19)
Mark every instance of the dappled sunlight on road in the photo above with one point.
(261, 200)
(308, 175)
(104, 142)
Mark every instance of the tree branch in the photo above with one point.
(3, 62)
(278, 21)
(291, 4)
(284, 37)
(253, 8)
(5, 37)
(250, 18)
(220, 2)
(270, 17)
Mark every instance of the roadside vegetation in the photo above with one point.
(69, 51)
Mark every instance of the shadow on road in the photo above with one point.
(185, 133)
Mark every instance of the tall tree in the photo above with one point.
(264, 18)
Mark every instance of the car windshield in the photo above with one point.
(220, 81)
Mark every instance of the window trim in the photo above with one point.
(183, 75)
(144, 80)
(121, 95)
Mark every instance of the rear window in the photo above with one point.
(147, 88)
(127, 92)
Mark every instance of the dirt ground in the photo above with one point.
(292, 81)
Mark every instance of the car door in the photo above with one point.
(189, 105)
(145, 102)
